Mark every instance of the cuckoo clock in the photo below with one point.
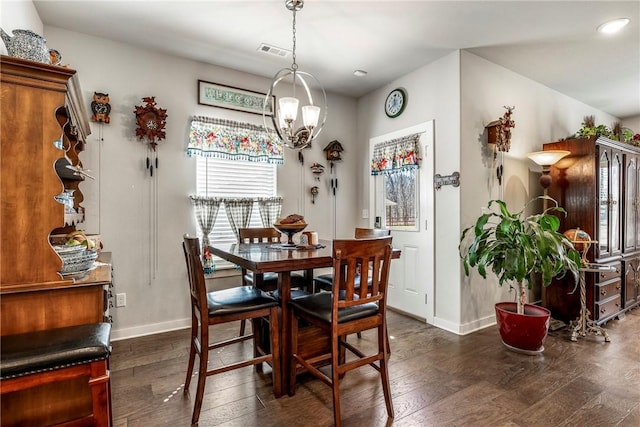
(334, 151)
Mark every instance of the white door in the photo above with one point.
(411, 281)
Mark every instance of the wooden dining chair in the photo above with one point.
(346, 310)
(212, 308)
(266, 281)
(324, 282)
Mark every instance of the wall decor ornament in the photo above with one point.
(151, 122)
(317, 170)
(499, 131)
(100, 107)
(234, 98)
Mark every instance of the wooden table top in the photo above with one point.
(264, 257)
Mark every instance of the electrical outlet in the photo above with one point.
(121, 300)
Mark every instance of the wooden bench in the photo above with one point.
(34, 359)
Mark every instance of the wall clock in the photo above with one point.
(395, 103)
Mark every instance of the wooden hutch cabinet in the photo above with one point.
(598, 185)
(43, 128)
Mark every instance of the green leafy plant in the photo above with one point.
(515, 246)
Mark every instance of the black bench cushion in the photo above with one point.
(40, 351)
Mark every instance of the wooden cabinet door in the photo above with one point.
(631, 282)
(609, 202)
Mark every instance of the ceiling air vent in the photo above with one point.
(272, 50)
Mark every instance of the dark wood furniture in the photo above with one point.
(325, 281)
(35, 359)
(260, 258)
(264, 281)
(229, 305)
(43, 128)
(597, 184)
(348, 309)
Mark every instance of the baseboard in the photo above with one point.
(466, 328)
(150, 329)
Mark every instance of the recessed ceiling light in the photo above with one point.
(359, 73)
(613, 26)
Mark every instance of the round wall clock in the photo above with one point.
(395, 103)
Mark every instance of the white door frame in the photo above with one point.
(426, 192)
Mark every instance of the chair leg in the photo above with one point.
(383, 349)
(202, 377)
(336, 360)
(242, 325)
(192, 353)
(359, 335)
(257, 338)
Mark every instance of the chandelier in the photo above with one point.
(285, 116)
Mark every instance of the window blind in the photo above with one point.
(233, 178)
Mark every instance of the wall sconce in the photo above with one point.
(546, 159)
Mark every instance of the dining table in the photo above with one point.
(276, 258)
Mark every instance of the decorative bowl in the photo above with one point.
(81, 262)
(290, 230)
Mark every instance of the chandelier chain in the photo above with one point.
(294, 66)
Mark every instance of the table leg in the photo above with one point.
(284, 289)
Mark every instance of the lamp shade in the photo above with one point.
(289, 108)
(549, 157)
(310, 115)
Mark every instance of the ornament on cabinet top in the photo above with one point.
(100, 107)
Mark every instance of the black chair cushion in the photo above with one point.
(237, 300)
(325, 281)
(41, 351)
(271, 279)
(318, 305)
(295, 293)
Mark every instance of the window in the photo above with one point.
(233, 178)
(401, 199)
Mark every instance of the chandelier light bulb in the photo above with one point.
(613, 26)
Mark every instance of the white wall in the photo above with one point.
(541, 115)
(632, 123)
(433, 94)
(120, 202)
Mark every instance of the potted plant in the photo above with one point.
(517, 247)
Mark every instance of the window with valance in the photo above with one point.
(396, 155)
(227, 139)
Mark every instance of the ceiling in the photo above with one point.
(552, 42)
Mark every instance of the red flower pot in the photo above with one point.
(522, 332)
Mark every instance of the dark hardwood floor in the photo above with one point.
(437, 379)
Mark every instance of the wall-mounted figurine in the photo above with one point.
(151, 121)
(100, 107)
(317, 170)
(314, 193)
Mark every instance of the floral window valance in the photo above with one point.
(226, 139)
(396, 155)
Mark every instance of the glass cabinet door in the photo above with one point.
(615, 203)
(603, 202)
(631, 195)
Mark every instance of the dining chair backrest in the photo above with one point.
(258, 235)
(366, 233)
(191, 246)
(348, 256)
